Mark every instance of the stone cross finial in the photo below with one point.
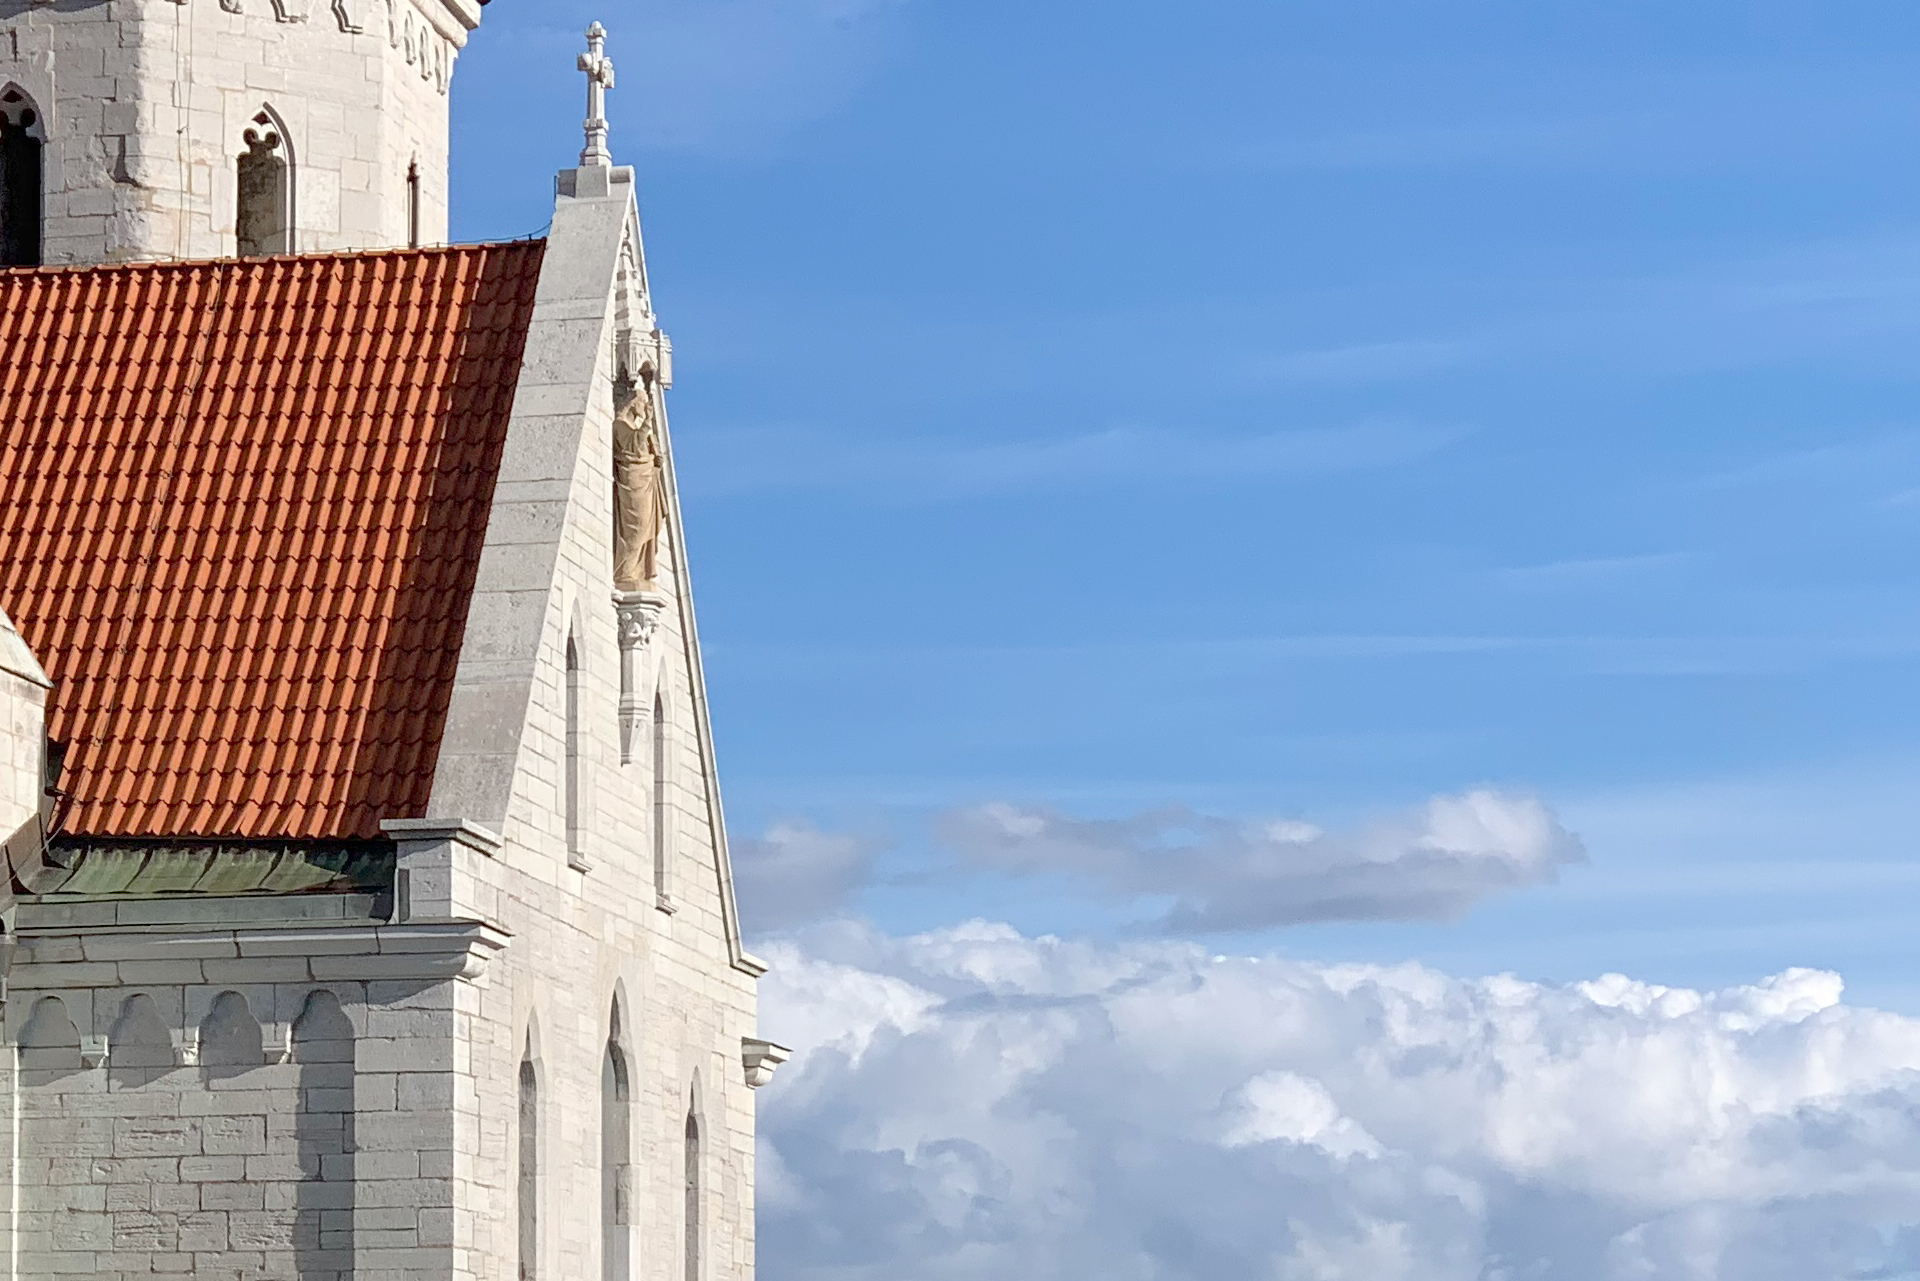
(599, 70)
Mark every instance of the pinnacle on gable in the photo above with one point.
(599, 72)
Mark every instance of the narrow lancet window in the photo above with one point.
(616, 1169)
(662, 891)
(572, 781)
(21, 180)
(695, 1226)
(264, 223)
(529, 1169)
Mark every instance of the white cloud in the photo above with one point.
(1223, 874)
(976, 1104)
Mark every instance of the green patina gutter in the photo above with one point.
(84, 870)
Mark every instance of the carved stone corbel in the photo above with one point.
(760, 1058)
(639, 615)
(93, 1052)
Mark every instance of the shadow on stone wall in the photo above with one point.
(49, 1044)
(140, 1047)
(323, 1228)
(230, 1043)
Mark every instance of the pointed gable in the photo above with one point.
(242, 506)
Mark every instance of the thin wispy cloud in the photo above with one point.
(1193, 873)
(1442, 146)
(1850, 302)
(1229, 875)
(941, 469)
(1354, 365)
(1864, 461)
(1706, 653)
(796, 873)
(1699, 120)
(1580, 571)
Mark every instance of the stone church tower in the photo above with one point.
(208, 128)
(366, 910)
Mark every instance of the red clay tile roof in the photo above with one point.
(241, 509)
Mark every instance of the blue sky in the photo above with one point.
(1255, 557)
(1295, 410)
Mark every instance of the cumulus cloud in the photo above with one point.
(797, 873)
(1224, 874)
(974, 1104)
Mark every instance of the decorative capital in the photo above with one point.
(639, 614)
(761, 1058)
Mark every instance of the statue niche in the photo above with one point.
(639, 491)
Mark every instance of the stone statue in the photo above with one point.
(639, 492)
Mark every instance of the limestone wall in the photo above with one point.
(592, 931)
(145, 104)
(227, 1168)
(265, 1101)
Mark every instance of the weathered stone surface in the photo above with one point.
(142, 160)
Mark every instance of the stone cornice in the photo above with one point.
(434, 831)
(424, 951)
(465, 12)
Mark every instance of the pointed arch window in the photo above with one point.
(662, 810)
(22, 179)
(572, 781)
(529, 1171)
(696, 1226)
(264, 221)
(616, 1168)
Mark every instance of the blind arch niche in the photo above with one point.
(264, 222)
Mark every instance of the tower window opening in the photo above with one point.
(413, 205)
(21, 180)
(265, 220)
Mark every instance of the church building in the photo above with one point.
(366, 910)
